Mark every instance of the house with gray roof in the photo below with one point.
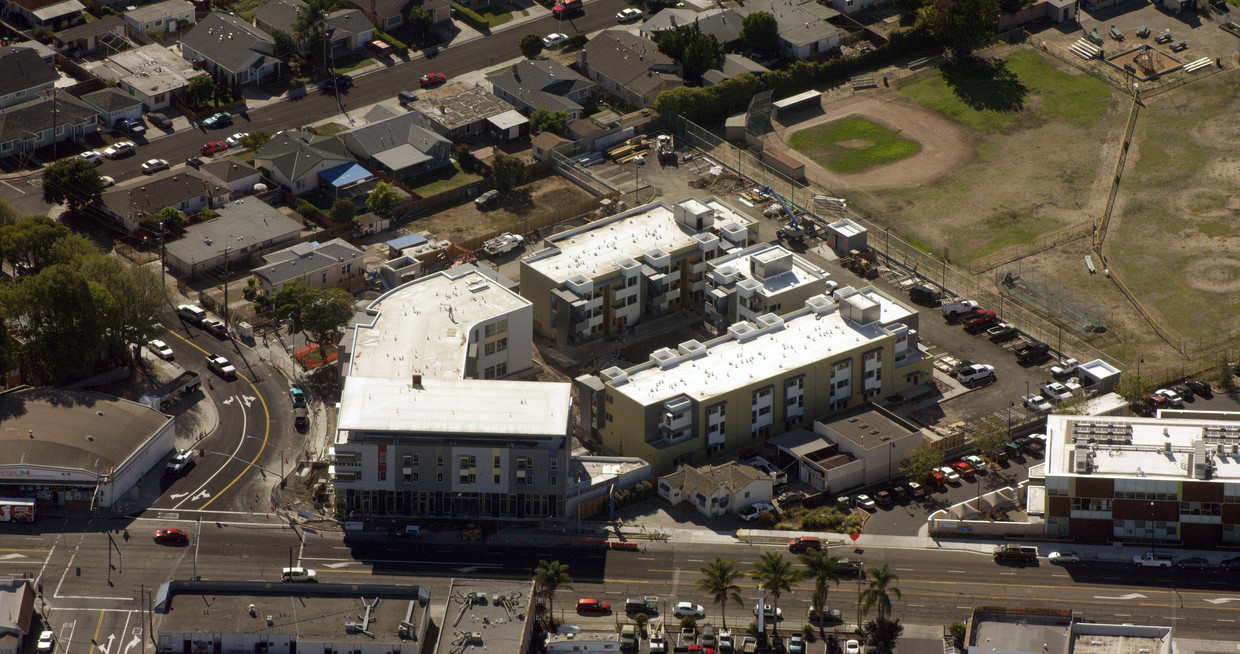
(185, 189)
(160, 17)
(733, 65)
(350, 28)
(322, 265)
(49, 118)
(804, 27)
(295, 158)
(151, 73)
(723, 24)
(629, 67)
(244, 229)
(25, 75)
(545, 84)
(49, 14)
(114, 104)
(403, 146)
(717, 490)
(456, 115)
(390, 14)
(226, 45)
(105, 36)
(233, 174)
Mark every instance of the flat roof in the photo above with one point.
(449, 406)
(799, 273)
(594, 250)
(590, 471)
(495, 624)
(868, 425)
(788, 343)
(423, 327)
(1145, 448)
(55, 429)
(1022, 633)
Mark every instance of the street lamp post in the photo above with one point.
(1151, 529)
(1139, 362)
(1010, 406)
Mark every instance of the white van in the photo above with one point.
(192, 313)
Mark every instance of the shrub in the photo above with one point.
(957, 630)
(808, 632)
(575, 41)
(688, 621)
(399, 49)
(752, 630)
(1224, 377)
(473, 18)
(308, 211)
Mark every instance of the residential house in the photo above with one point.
(16, 614)
(723, 24)
(47, 54)
(733, 65)
(295, 158)
(233, 174)
(151, 73)
(244, 229)
(184, 189)
(348, 181)
(226, 45)
(461, 114)
(371, 223)
(350, 28)
(804, 27)
(335, 263)
(545, 84)
(387, 15)
(51, 15)
(545, 143)
(25, 75)
(114, 104)
(161, 17)
(106, 35)
(402, 146)
(50, 118)
(629, 67)
(717, 490)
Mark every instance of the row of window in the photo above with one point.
(456, 505)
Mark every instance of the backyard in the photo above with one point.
(464, 221)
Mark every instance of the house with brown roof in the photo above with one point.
(629, 67)
(717, 490)
(16, 614)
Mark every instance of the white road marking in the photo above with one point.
(177, 496)
(645, 558)
(906, 569)
(244, 426)
(696, 561)
(67, 567)
(1223, 600)
(93, 597)
(1222, 620)
(1009, 574)
(959, 572)
(1129, 596)
(337, 566)
(1123, 615)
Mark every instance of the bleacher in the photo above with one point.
(1085, 50)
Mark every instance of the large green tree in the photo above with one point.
(128, 298)
(507, 171)
(200, 90)
(171, 219)
(342, 211)
(549, 577)
(697, 52)
(917, 465)
(822, 568)
(1133, 388)
(878, 594)
(308, 28)
(28, 244)
(56, 318)
(961, 23)
(719, 582)
(382, 199)
(531, 45)
(542, 120)
(73, 182)
(759, 30)
(989, 437)
(319, 313)
(419, 21)
(885, 633)
(775, 576)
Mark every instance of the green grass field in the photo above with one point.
(448, 177)
(823, 143)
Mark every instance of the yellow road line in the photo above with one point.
(15, 549)
(266, 427)
(95, 639)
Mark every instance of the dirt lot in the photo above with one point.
(531, 201)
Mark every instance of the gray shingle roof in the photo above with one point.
(229, 169)
(23, 69)
(153, 193)
(99, 27)
(707, 479)
(542, 84)
(724, 24)
(306, 258)
(241, 224)
(348, 21)
(159, 10)
(631, 60)
(733, 65)
(279, 14)
(410, 128)
(111, 99)
(382, 8)
(228, 41)
(295, 151)
(800, 22)
(21, 121)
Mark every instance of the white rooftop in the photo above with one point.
(800, 273)
(727, 362)
(422, 327)
(1144, 448)
(450, 406)
(595, 249)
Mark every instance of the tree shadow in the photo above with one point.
(985, 84)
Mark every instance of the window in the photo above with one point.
(382, 458)
(383, 475)
(439, 477)
(555, 463)
(407, 476)
(495, 478)
(497, 462)
(553, 480)
(1090, 504)
(1201, 508)
(438, 460)
(632, 281)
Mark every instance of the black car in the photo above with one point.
(159, 120)
(849, 567)
(901, 492)
(1231, 564)
(337, 83)
(962, 366)
(1199, 387)
(193, 162)
(922, 294)
(1141, 408)
(1196, 563)
(1184, 391)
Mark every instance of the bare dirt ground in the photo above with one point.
(464, 221)
(944, 144)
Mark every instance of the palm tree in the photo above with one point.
(775, 576)
(719, 581)
(822, 569)
(549, 577)
(878, 595)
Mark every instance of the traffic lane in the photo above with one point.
(25, 195)
(392, 556)
(368, 89)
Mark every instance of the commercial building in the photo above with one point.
(610, 274)
(756, 381)
(487, 615)
(857, 447)
(78, 448)
(760, 279)
(1030, 630)
(1164, 479)
(427, 429)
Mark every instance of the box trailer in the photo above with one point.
(16, 510)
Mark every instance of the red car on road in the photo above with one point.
(587, 605)
(213, 147)
(173, 536)
(431, 79)
(804, 543)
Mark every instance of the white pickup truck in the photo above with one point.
(1152, 560)
(1064, 368)
(502, 243)
(958, 308)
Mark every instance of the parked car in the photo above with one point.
(298, 574)
(91, 156)
(901, 492)
(1033, 351)
(936, 479)
(214, 327)
(1193, 563)
(1232, 563)
(1063, 558)
(844, 503)
(828, 616)
(553, 41)
(211, 147)
(791, 497)
(1002, 332)
(1064, 368)
(180, 461)
(47, 642)
(131, 125)
(1184, 392)
(865, 502)
(194, 162)
(755, 511)
(120, 149)
(160, 349)
(216, 121)
(883, 498)
(431, 79)
(922, 294)
(1016, 554)
(689, 609)
(915, 488)
(153, 166)
(235, 140)
(1156, 401)
(951, 475)
(976, 373)
(978, 320)
(337, 83)
(106, 181)
(1056, 392)
(159, 120)
(297, 395)
(964, 469)
(405, 97)
(1200, 388)
(802, 543)
(171, 536)
(1152, 560)
(1035, 403)
(590, 605)
(1171, 396)
(851, 567)
(852, 646)
(959, 308)
(771, 612)
(486, 199)
(628, 15)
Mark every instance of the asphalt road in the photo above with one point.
(370, 88)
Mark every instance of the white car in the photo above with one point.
(221, 366)
(120, 149)
(1152, 560)
(951, 475)
(181, 460)
(298, 574)
(852, 647)
(769, 611)
(1063, 557)
(1056, 392)
(92, 157)
(628, 15)
(106, 181)
(976, 372)
(47, 642)
(864, 501)
(689, 609)
(1035, 402)
(160, 349)
(977, 462)
(553, 41)
(153, 166)
(1171, 396)
(236, 139)
(755, 511)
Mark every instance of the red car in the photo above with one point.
(213, 147)
(173, 536)
(431, 79)
(978, 318)
(937, 479)
(964, 469)
(804, 543)
(587, 605)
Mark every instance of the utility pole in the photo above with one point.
(163, 268)
(55, 117)
(225, 311)
(197, 540)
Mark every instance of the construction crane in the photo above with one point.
(793, 231)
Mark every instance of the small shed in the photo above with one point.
(734, 129)
(785, 164)
(844, 236)
(407, 241)
(1099, 375)
(509, 125)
